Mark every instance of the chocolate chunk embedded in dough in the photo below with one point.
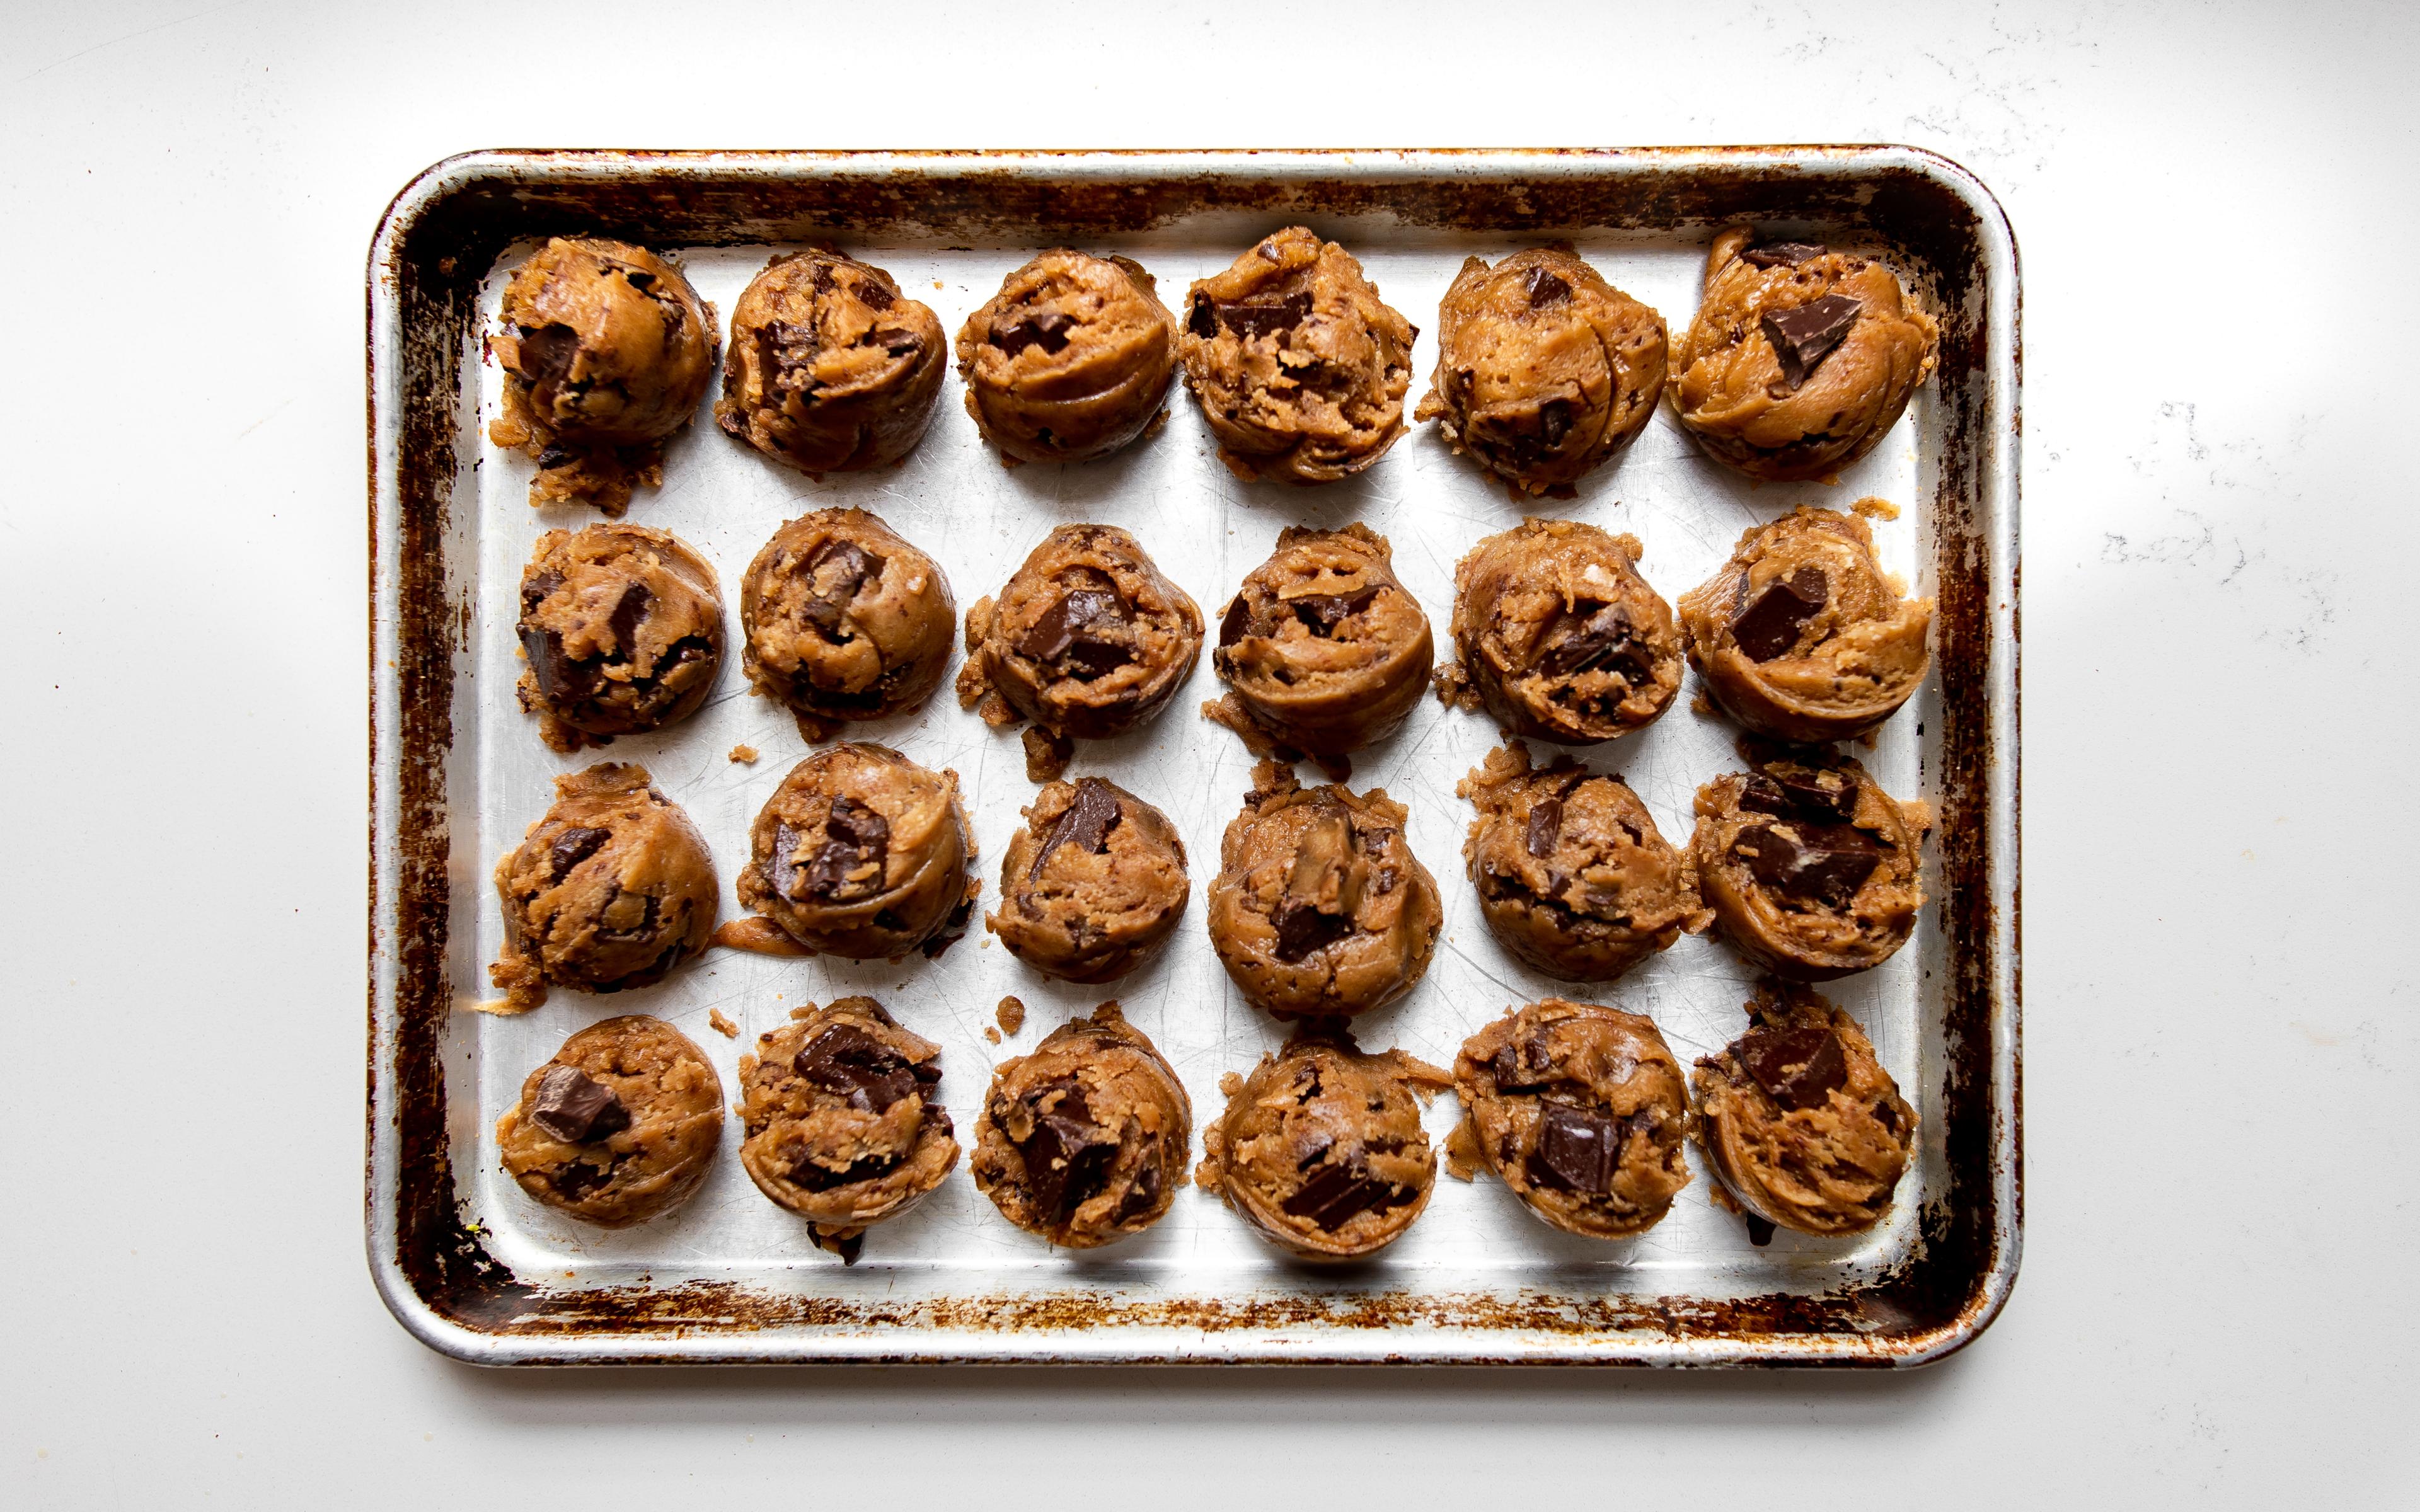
(1767, 625)
(575, 1109)
(1338, 1192)
(1808, 863)
(573, 846)
(1046, 328)
(1799, 1066)
(1545, 289)
(639, 1108)
(1086, 823)
(847, 1060)
(1578, 1149)
(1782, 253)
(1803, 337)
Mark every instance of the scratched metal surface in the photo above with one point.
(978, 519)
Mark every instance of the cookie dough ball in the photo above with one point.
(610, 889)
(844, 1123)
(1810, 869)
(1324, 650)
(1320, 908)
(862, 852)
(1070, 360)
(1559, 636)
(1582, 1111)
(845, 621)
(1321, 1149)
(1799, 1121)
(606, 351)
(621, 1125)
(1087, 641)
(1086, 1140)
(621, 630)
(1299, 368)
(1573, 875)
(1093, 884)
(1800, 359)
(1800, 636)
(831, 369)
(1544, 370)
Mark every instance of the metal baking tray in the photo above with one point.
(477, 1270)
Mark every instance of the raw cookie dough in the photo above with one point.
(842, 1124)
(1800, 636)
(621, 630)
(1324, 650)
(1070, 360)
(1810, 867)
(1573, 875)
(1320, 908)
(1799, 1122)
(606, 351)
(1086, 639)
(1300, 370)
(1093, 884)
(1559, 636)
(610, 889)
(1085, 1140)
(621, 1125)
(845, 621)
(862, 852)
(1800, 358)
(831, 369)
(1544, 370)
(1582, 1111)
(1321, 1149)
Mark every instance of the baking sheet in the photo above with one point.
(952, 1278)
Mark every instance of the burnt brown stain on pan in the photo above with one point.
(448, 244)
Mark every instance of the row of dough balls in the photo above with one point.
(1799, 359)
(1581, 1110)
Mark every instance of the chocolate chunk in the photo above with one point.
(642, 281)
(1303, 929)
(1768, 625)
(1321, 894)
(1265, 318)
(1085, 824)
(575, 1109)
(1231, 624)
(1822, 864)
(1802, 796)
(1799, 1065)
(818, 1178)
(1887, 1114)
(847, 1060)
(853, 568)
(1047, 329)
(552, 457)
(1324, 612)
(1555, 422)
(546, 353)
(624, 622)
(849, 1248)
(849, 866)
(1338, 1193)
(1545, 827)
(1069, 630)
(1760, 1230)
(1603, 641)
(1067, 1157)
(559, 679)
(576, 1179)
(1526, 1065)
(1803, 337)
(535, 590)
(897, 343)
(1545, 289)
(1781, 254)
(1202, 320)
(573, 846)
(875, 297)
(1578, 1149)
(1143, 1190)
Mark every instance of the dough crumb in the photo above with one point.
(723, 1025)
(1230, 1084)
(502, 1008)
(991, 1034)
(744, 754)
(1462, 1152)
(1703, 707)
(758, 934)
(1046, 755)
(1876, 508)
(1011, 1014)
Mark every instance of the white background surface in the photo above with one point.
(2213, 205)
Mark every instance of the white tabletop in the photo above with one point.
(2214, 213)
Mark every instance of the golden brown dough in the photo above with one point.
(1070, 360)
(1800, 358)
(1573, 875)
(1544, 370)
(1086, 1140)
(831, 369)
(1800, 636)
(1324, 650)
(1800, 1123)
(606, 351)
(621, 629)
(862, 852)
(844, 620)
(1559, 636)
(844, 1125)
(1086, 639)
(1093, 884)
(1320, 908)
(1321, 1149)
(1299, 368)
(1582, 1111)
(621, 1125)
(612, 888)
(1810, 867)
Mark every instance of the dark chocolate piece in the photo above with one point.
(875, 297)
(1545, 289)
(1047, 329)
(1578, 1149)
(1555, 422)
(1201, 319)
(1799, 1065)
(1782, 253)
(1800, 795)
(628, 610)
(1143, 1190)
(1803, 337)
(1234, 622)
(857, 837)
(1066, 629)
(1340, 1191)
(849, 1249)
(551, 458)
(1822, 864)
(1085, 824)
(1319, 903)
(1760, 1230)
(847, 1060)
(547, 352)
(1067, 1156)
(1768, 625)
(575, 1109)
(1324, 612)
(573, 846)
(1602, 639)
(1265, 318)
(1545, 827)
(1303, 929)
(535, 590)
(559, 679)
(1524, 1066)
(817, 1177)
(857, 568)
